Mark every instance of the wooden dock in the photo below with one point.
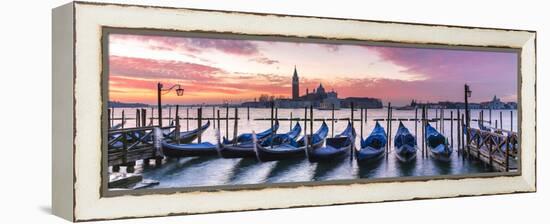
(126, 146)
(495, 149)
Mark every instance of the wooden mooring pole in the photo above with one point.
(178, 111)
(427, 111)
(112, 113)
(465, 145)
(227, 121)
(109, 119)
(366, 108)
(170, 115)
(290, 125)
(311, 124)
(276, 113)
(305, 133)
(366, 117)
(143, 117)
(388, 130)
(438, 120)
(248, 113)
(442, 121)
(218, 120)
(272, 113)
(138, 118)
(352, 128)
(416, 122)
(463, 125)
(305, 126)
(332, 122)
(500, 120)
(236, 125)
(452, 141)
(511, 121)
(152, 118)
(423, 129)
(214, 116)
(361, 126)
(187, 118)
(507, 154)
(123, 119)
(177, 130)
(199, 123)
(305, 123)
(458, 129)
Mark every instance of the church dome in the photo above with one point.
(321, 89)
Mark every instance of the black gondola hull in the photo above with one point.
(266, 154)
(237, 151)
(188, 150)
(338, 154)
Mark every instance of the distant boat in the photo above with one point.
(373, 147)
(292, 148)
(336, 148)
(437, 143)
(328, 106)
(405, 144)
(243, 146)
(405, 108)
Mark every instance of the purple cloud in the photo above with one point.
(454, 65)
(193, 45)
(264, 60)
(156, 69)
(238, 47)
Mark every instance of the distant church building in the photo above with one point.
(495, 104)
(295, 85)
(319, 98)
(315, 98)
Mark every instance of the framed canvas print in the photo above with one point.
(161, 111)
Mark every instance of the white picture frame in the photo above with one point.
(78, 111)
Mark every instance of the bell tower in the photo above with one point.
(295, 85)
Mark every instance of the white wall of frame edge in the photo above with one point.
(88, 64)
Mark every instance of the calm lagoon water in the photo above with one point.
(212, 171)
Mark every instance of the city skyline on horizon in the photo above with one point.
(218, 70)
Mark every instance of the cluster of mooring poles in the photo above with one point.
(472, 142)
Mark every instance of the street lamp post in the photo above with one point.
(467, 94)
(179, 92)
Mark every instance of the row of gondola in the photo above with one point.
(316, 147)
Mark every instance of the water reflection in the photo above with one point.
(334, 170)
(371, 168)
(250, 171)
(212, 171)
(291, 170)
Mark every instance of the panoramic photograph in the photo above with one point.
(192, 110)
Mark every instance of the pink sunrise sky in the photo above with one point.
(215, 70)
